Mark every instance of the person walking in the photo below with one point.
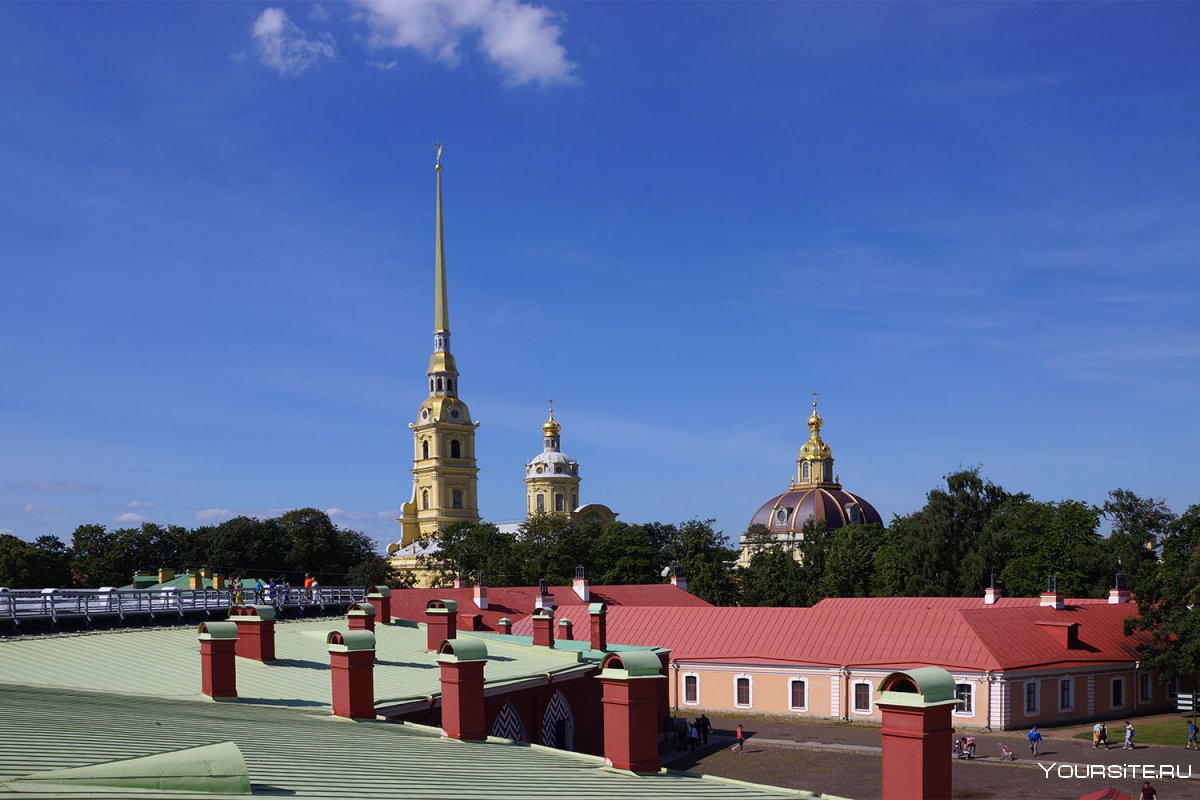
(693, 737)
(1104, 735)
(704, 725)
(740, 747)
(1128, 736)
(1192, 732)
(1096, 736)
(258, 590)
(1035, 736)
(1147, 792)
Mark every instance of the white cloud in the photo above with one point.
(384, 66)
(209, 514)
(285, 48)
(318, 13)
(139, 504)
(34, 508)
(130, 517)
(521, 39)
(341, 513)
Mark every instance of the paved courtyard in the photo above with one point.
(844, 760)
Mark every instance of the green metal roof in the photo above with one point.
(165, 662)
(213, 768)
(306, 753)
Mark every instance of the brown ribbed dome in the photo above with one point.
(833, 506)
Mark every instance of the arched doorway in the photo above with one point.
(558, 723)
(508, 724)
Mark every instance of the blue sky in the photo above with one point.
(973, 228)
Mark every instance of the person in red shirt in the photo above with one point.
(740, 747)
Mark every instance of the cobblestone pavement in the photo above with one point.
(844, 760)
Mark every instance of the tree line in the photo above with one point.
(287, 546)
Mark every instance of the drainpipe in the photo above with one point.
(675, 681)
(845, 699)
(988, 719)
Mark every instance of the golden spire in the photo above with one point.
(551, 427)
(815, 421)
(441, 311)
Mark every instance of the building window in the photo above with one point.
(804, 473)
(439, 384)
(1065, 699)
(862, 697)
(965, 693)
(425, 499)
(425, 449)
(456, 498)
(742, 696)
(455, 449)
(1118, 692)
(541, 503)
(558, 469)
(1032, 697)
(798, 694)
(1144, 687)
(558, 501)
(691, 689)
(574, 501)
(449, 385)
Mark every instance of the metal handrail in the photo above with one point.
(55, 604)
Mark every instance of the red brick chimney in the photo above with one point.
(544, 598)
(630, 681)
(463, 708)
(916, 706)
(1119, 594)
(480, 596)
(566, 629)
(352, 664)
(580, 584)
(441, 622)
(598, 612)
(505, 625)
(256, 631)
(677, 578)
(361, 617)
(543, 627)
(218, 659)
(381, 599)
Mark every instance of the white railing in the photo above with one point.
(63, 604)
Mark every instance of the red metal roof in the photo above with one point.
(874, 632)
(517, 602)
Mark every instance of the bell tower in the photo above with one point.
(814, 465)
(444, 467)
(551, 477)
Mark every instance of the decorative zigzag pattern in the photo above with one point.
(508, 724)
(559, 710)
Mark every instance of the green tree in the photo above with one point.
(375, 571)
(1060, 538)
(774, 576)
(706, 560)
(850, 562)
(1138, 523)
(1168, 601)
(625, 554)
(468, 548)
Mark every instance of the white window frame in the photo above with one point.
(749, 690)
(1124, 691)
(1145, 688)
(789, 694)
(1037, 697)
(958, 712)
(695, 675)
(1058, 687)
(854, 709)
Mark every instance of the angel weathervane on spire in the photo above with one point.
(438, 163)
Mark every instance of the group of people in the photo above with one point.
(689, 734)
(277, 588)
(964, 747)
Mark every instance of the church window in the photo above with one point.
(574, 501)
(425, 499)
(456, 499)
(541, 503)
(425, 449)
(431, 384)
(558, 502)
(449, 385)
(455, 449)
(804, 471)
(855, 514)
(558, 469)
(781, 517)
(539, 469)
(439, 384)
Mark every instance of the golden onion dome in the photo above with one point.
(550, 427)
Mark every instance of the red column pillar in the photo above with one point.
(361, 617)
(381, 600)
(352, 664)
(916, 706)
(463, 710)
(256, 631)
(543, 628)
(441, 622)
(630, 681)
(218, 660)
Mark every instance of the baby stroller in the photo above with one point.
(1006, 754)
